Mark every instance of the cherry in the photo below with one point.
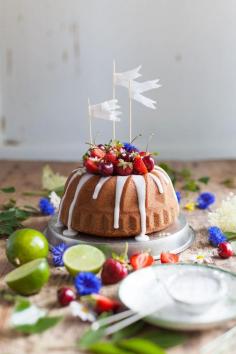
(106, 168)
(102, 147)
(225, 250)
(149, 162)
(65, 296)
(125, 156)
(113, 271)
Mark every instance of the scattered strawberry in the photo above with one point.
(139, 166)
(91, 165)
(141, 260)
(97, 152)
(169, 257)
(110, 156)
(124, 168)
(225, 250)
(65, 296)
(149, 162)
(113, 271)
(105, 304)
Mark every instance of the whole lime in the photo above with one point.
(29, 278)
(26, 245)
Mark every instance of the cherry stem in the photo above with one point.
(137, 136)
(149, 139)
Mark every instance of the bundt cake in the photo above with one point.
(128, 196)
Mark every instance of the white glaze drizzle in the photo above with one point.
(79, 172)
(163, 173)
(120, 182)
(99, 186)
(142, 238)
(84, 178)
(140, 185)
(157, 181)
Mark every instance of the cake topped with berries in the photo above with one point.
(119, 192)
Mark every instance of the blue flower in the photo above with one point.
(87, 283)
(216, 236)
(204, 200)
(130, 148)
(46, 207)
(57, 254)
(178, 195)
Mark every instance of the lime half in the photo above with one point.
(83, 258)
(29, 278)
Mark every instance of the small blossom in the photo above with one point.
(224, 216)
(46, 207)
(55, 200)
(201, 258)
(216, 236)
(204, 200)
(130, 148)
(57, 254)
(191, 206)
(87, 283)
(82, 311)
(178, 195)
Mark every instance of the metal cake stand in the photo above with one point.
(177, 238)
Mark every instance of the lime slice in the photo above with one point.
(26, 245)
(29, 278)
(83, 258)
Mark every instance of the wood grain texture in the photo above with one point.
(26, 176)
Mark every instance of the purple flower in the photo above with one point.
(87, 283)
(57, 254)
(178, 195)
(130, 148)
(216, 236)
(46, 207)
(204, 200)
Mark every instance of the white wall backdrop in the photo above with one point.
(56, 53)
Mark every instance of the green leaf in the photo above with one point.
(191, 186)
(8, 189)
(204, 179)
(40, 326)
(229, 183)
(230, 235)
(107, 348)
(128, 332)
(141, 346)
(91, 337)
(185, 173)
(165, 339)
(22, 304)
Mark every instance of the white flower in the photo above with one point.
(55, 200)
(225, 216)
(201, 258)
(29, 316)
(82, 311)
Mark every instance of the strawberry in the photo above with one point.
(169, 257)
(142, 153)
(97, 152)
(139, 166)
(124, 168)
(111, 156)
(104, 304)
(113, 271)
(141, 260)
(91, 165)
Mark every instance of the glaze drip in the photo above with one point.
(140, 185)
(99, 186)
(157, 181)
(120, 182)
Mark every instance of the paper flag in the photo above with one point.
(122, 79)
(107, 110)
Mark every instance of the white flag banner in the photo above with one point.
(137, 88)
(107, 110)
(122, 79)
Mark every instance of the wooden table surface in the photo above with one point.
(26, 176)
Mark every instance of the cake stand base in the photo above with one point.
(177, 238)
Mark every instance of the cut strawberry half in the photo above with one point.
(139, 166)
(169, 258)
(105, 304)
(141, 260)
(91, 166)
(111, 156)
(96, 152)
